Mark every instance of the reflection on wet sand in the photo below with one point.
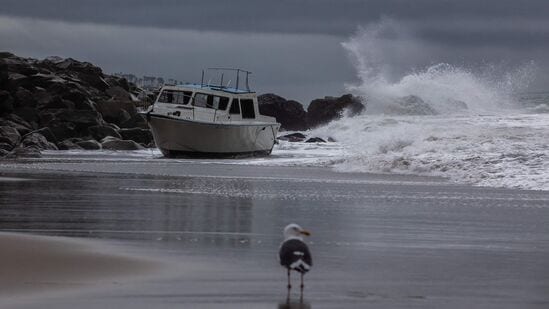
(294, 305)
(87, 206)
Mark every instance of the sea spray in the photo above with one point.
(477, 133)
(384, 55)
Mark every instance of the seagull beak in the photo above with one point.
(304, 232)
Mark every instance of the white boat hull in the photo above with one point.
(179, 137)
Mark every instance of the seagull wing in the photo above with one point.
(294, 254)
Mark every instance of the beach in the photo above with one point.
(383, 241)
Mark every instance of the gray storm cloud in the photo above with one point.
(292, 46)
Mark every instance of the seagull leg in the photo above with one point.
(289, 285)
(301, 294)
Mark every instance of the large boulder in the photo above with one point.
(142, 136)
(290, 114)
(68, 144)
(119, 93)
(135, 121)
(24, 97)
(315, 140)
(48, 134)
(9, 135)
(100, 132)
(63, 130)
(111, 143)
(322, 111)
(6, 147)
(116, 111)
(24, 152)
(79, 98)
(82, 119)
(29, 114)
(410, 105)
(11, 121)
(6, 102)
(38, 141)
(293, 137)
(89, 145)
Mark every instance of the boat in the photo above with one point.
(211, 119)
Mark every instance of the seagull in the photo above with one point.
(294, 253)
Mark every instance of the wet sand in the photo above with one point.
(34, 265)
(380, 241)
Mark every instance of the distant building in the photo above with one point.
(147, 82)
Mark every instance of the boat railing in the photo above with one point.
(222, 71)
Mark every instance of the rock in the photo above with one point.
(142, 136)
(115, 81)
(6, 147)
(19, 120)
(456, 106)
(63, 130)
(22, 152)
(118, 93)
(315, 140)
(6, 102)
(123, 116)
(29, 114)
(111, 143)
(3, 152)
(410, 105)
(136, 121)
(331, 140)
(20, 65)
(322, 111)
(22, 130)
(294, 137)
(9, 135)
(290, 114)
(57, 102)
(116, 112)
(24, 97)
(38, 141)
(89, 145)
(100, 132)
(48, 134)
(68, 145)
(80, 100)
(81, 119)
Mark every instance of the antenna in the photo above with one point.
(221, 84)
(237, 77)
(202, 80)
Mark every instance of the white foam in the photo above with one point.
(498, 151)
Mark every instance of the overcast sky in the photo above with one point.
(293, 47)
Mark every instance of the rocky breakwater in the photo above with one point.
(293, 117)
(60, 103)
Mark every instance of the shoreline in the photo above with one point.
(34, 265)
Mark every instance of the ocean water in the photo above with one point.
(479, 125)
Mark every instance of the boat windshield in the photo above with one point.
(175, 97)
(210, 101)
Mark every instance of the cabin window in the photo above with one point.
(175, 97)
(247, 108)
(200, 100)
(183, 97)
(223, 102)
(235, 107)
(211, 101)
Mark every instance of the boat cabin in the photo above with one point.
(209, 103)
